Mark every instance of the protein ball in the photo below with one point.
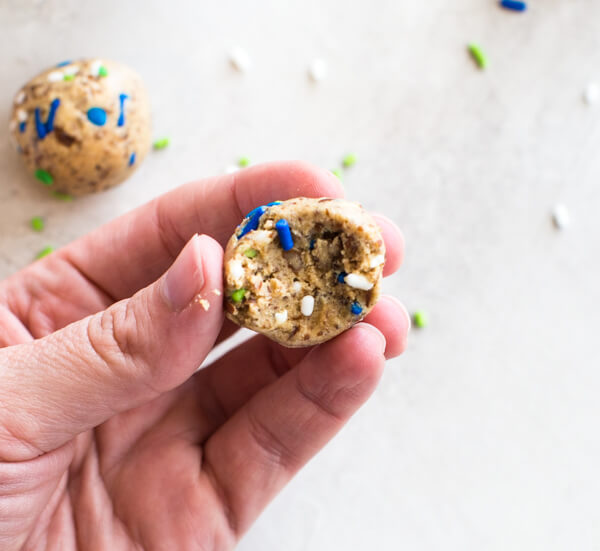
(82, 126)
(303, 271)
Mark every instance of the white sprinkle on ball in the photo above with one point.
(55, 76)
(318, 70)
(22, 115)
(307, 305)
(561, 216)
(240, 59)
(281, 317)
(20, 98)
(297, 286)
(236, 270)
(358, 281)
(376, 261)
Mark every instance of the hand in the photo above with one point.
(108, 440)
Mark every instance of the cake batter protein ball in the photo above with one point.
(304, 270)
(82, 126)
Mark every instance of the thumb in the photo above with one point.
(72, 380)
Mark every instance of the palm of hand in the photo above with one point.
(190, 461)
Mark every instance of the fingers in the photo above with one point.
(265, 443)
(135, 249)
(56, 387)
(394, 244)
(393, 320)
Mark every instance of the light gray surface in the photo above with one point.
(485, 434)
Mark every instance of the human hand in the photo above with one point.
(108, 440)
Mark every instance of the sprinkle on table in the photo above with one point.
(161, 143)
(285, 235)
(420, 319)
(238, 295)
(478, 55)
(591, 94)
(37, 223)
(44, 252)
(244, 162)
(561, 216)
(514, 5)
(337, 172)
(318, 70)
(349, 160)
(240, 59)
(44, 176)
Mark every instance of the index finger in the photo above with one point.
(135, 249)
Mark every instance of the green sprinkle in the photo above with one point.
(244, 161)
(44, 176)
(420, 319)
(102, 72)
(69, 77)
(161, 144)
(478, 55)
(251, 253)
(337, 172)
(349, 160)
(44, 252)
(62, 196)
(37, 223)
(238, 295)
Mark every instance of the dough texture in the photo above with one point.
(82, 126)
(328, 279)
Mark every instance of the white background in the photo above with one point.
(485, 434)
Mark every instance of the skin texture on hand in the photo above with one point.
(108, 437)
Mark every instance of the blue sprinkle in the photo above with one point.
(97, 116)
(356, 308)
(39, 125)
(132, 159)
(254, 218)
(311, 245)
(273, 203)
(122, 98)
(50, 121)
(285, 235)
(64, 63)
(514, 5)
(342, 277)
(22, 126)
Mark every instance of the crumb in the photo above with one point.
(202, 302)
(217, 292)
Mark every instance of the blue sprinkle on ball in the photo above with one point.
(122, 98)
(285, 235)
(514, 5)
(253, 219)
(356, 308)
(342, 277)
(64, 63)
(132, 159)
(311, 245)
(273, 203)
(97, 116)
(22, 126)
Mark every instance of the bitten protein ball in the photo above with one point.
(82, 126)
(304, 270)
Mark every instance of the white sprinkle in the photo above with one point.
(231, 169)
(297, 286)
(20, 98)
(236, 270)
(95, 67)
(307, 305)
(591, 95)
(240, 59)
(55, 76)
(13, 125)
(262, 236)
(281, 317)
(377, 261)
(318, 70)
(22, 115)
(358, 282)
(561, 216)
(71, 70)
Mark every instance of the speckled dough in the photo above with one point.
(326, 283)
(98, 133)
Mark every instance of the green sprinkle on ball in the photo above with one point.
(62, 196)
(44, 176)
(44, 252)
(238, 295)
(250, 253)
(102, 72)
(37, 223)
(69, 77)
(420, 319)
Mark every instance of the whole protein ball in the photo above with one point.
(303, 271)
(82, 126)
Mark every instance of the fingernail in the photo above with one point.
(382, 343)
(404, 311)
(185, 277)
